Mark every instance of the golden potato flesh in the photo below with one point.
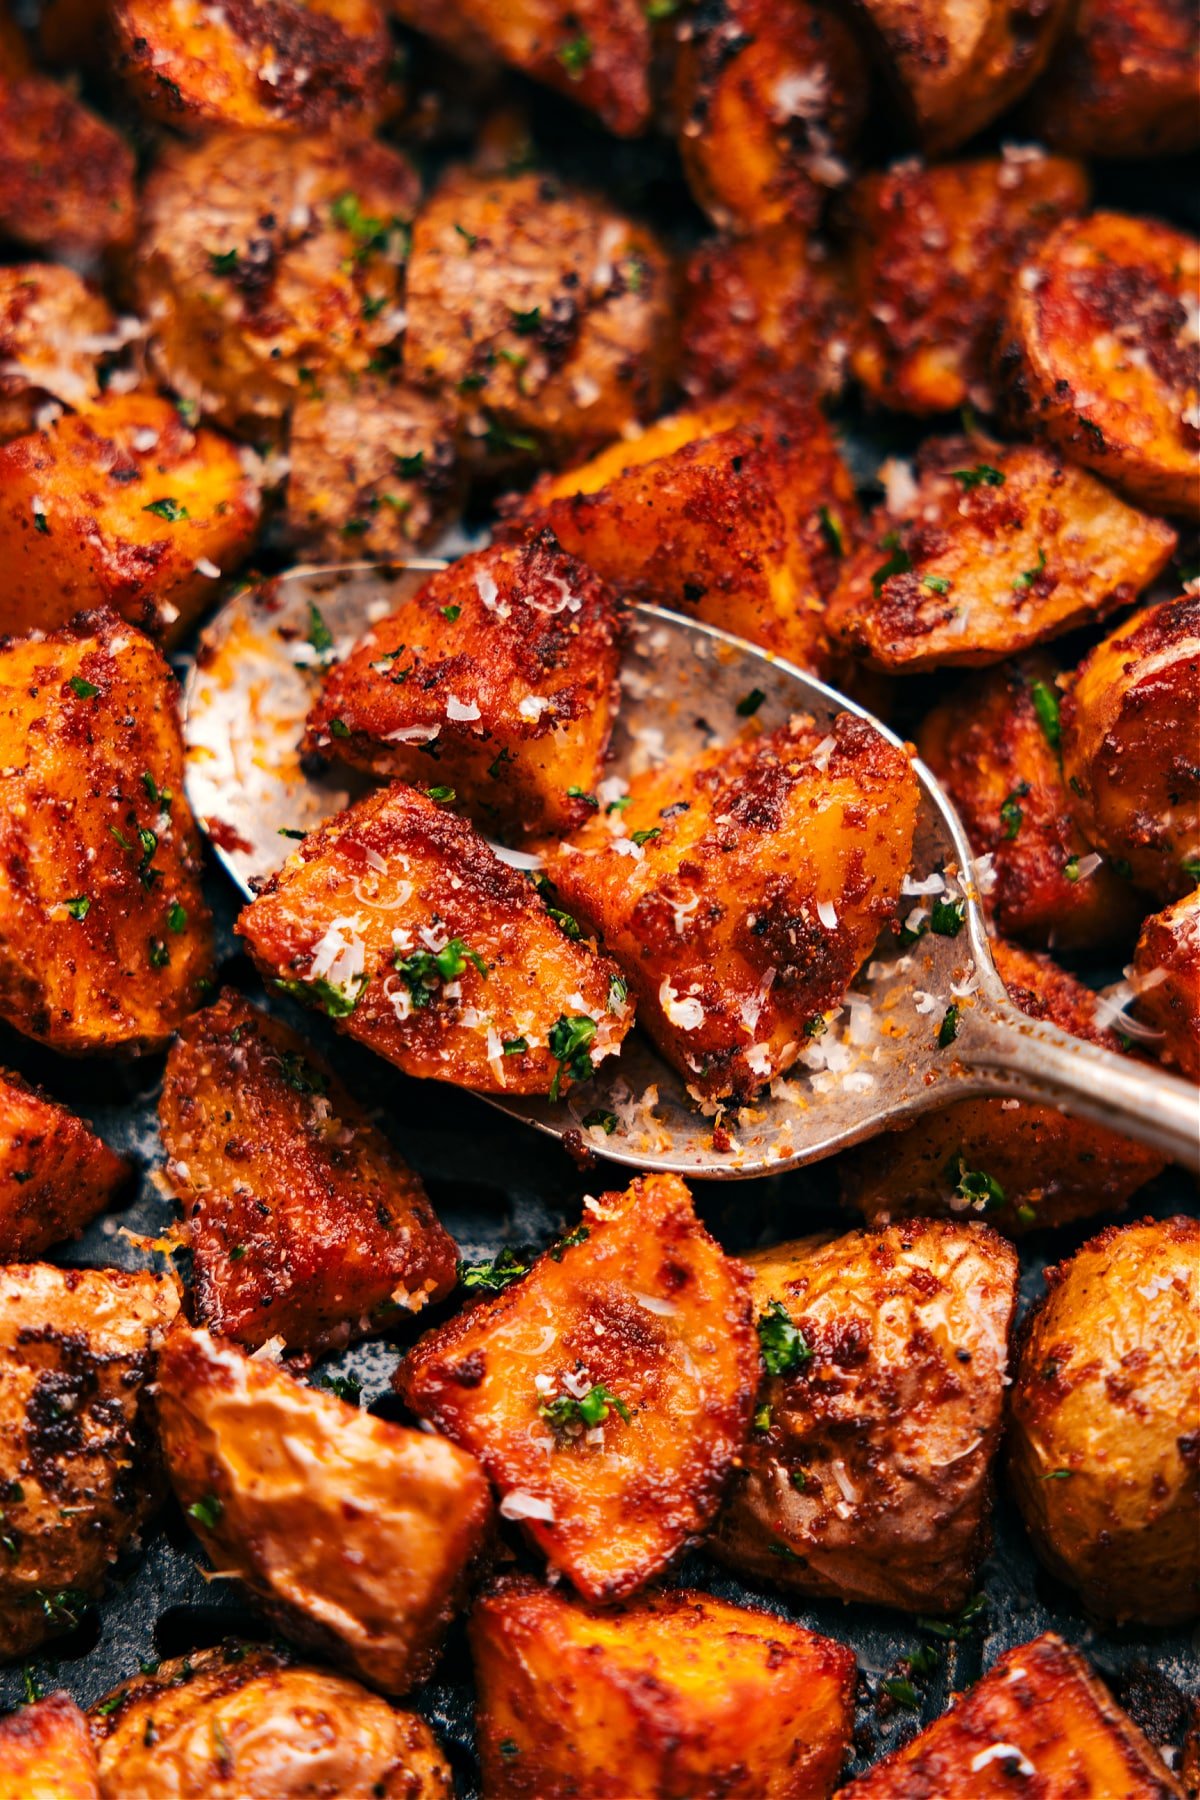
(741, 891)
(105, 940)
(545, 311)
(121, 506)
(52, 329)
(1100, 354)
(355, 1534)
(55, 1174)
(677, 1694)
(1129, 746)
(79, 1470)
(498, 679)
(933, 252)
(46, 1753)
(758, 307)
(607, 1394)
(994, 550)
(1120, 82)
(304, 1223)
(66, 177)
(242, 1721)
(1103, 1446)
(1166, 980)
(246, 314)
(868, 1472)
(403, 926)
(1039, 1721)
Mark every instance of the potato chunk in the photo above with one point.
(1128, 739)
(66, 177)
(46, 1753)
(867, 1476)
(304, 1222)
(1099, 356)
(606, 1394)
(1120, 82)
(105, 939)
(122, 506)
(1040, 1716)
(932, 254)
(999, 549)
(675, 1694)
(79, 1471)
(758, 307)
(52, 324)
(1166, 979)
(741, 891)
(55, 1174)
(1102, 1450)
(226, 1723)
(499, 676)
(403, 926)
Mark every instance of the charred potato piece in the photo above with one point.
(105, 940)
(1100, 354)
(545, 311)
(79, 1470)
(608, 1392)
(66, 177)
(1120, 82)
(46, 1753)
(227, 1723)
(52, 327)
(123, 506)
(55, 1174)
(741, 891)
(1166, 980)
(868, 1473)
(999, 549)
(932, 253)
(1128, 739)
(677, 1693)
(1038, 1715)
(1102, 1446)
(246, 314)
(504, 668)
(304, 1222)
(398, 920)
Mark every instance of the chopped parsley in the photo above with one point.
(937, 584)
(1045, 705)
(450, 613)
(291, 831)
(749, 704)
(1011, 813)
(423, 972)
(570, 927)
(619, 804)
(345, 1387)
(646, 837)
(965, 1621)
(79, 907)
(902, 1691)
(515, 1046)
(1190, 865)
(207, 1511)
(83, 690)
(525, 323)
(167, 509)
(1071, 868)
(319, 634)
(160, 956)
(898, 563)
(570, 1043)
(591, 1410)
(62, 1606)
(299, 1073)
(222, 262)
(947, 917)
(409, 467)
(335, 1003)
(1056, 1475)
(557, 1251)
(442, 796)
(762, 1418)
(578, 793)
(469, 238)
(494, 1276)
(618, 992)
(41, 524)
(982, 475)
(1027, 577)
(604, 1121)
(831, 525)
(338, 728)
(176, 918)
(948, 1030)
(976, 1184)
(575, 55)
(783, 1345)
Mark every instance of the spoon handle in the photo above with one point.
(1034, 1060)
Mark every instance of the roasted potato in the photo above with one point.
(1166, 980)
(1100, 354)
(607, 1393)
(46, 1753)
(546, 312)
(245, 314)
(741, 891)
(53, 328)
(678, 1696)
(932, 252)
(1129, 746)
(1120, 82)
(105, 940)
(995, 549)
(79, 1471)
(1022, 1167)
(304, 1223)
(1104, 1452)
(66, 177)
(237, 1721)
(1038, 1716)
(122, 506)
(403, 926)
(55, 1174)
(504, 669)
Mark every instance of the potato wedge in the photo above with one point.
(1038, 1715)
(997, 549)
(675, 1694)
(1098, 355)
(105, 940)
(55, 1174)
(52, 324)
(46, 1753)
(122, 506)
(405, 928)
(1103, 1442)
(607, 1393)
(1166, 980)
(79, 1469)
(303, 1220)
(1120, 82)
(499, 677)
(741, 891)
(66, 177)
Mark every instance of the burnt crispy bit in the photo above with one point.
(46, 1753)
(55, 1173)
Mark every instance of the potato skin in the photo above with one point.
(1108, 1388)
(1170, 1001)
(78, 1350)
(678, 1696)
(78, 824)
(756, 307)
(1119, 83)
(304, 1222)
(46, 1753)
(66, 177)
(685, 1367)
(50, 319)
(55, 1174)
(1096, 355)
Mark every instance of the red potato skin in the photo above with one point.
(1170, 1001)
(66, 177)
(1121, 82)
(55, 1173)
(46, 1753)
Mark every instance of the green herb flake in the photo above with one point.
(206, 1512)
(749, 704)
(335, 1003)
(937, 584)
(618, 992)
(947, 917)
(41, 523)
(619, 804)
(593, 1409)
(1045, 705)
(898, 563)
(338, 728)
(600, 1120)
(557, 1251)
(469, 238)
(1071, 868)
(345, 1387)
(646, 837)
(83, 690)
(79, 907)
(509, 1747)
(493, 1276)
(291, 831)
(450, 612)
(578, 793)
(569, 926)
(177, 918)
(783, 1345)
(237, 1252)
(409, 467)
(1027, 577)
(902, 1691)
(1056, 1475)
(1011, 812)
(977, 1185)
(575, 55)
(762, 1418)
(159, 955)
(982, 475)
(167, 509)
(525, 323)
(426, 970)
(515, 1046)
(570, 1044)
(319, 634)
(831, 529)
(442, 796)
(948, 1030)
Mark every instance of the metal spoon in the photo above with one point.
(927, 1021)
